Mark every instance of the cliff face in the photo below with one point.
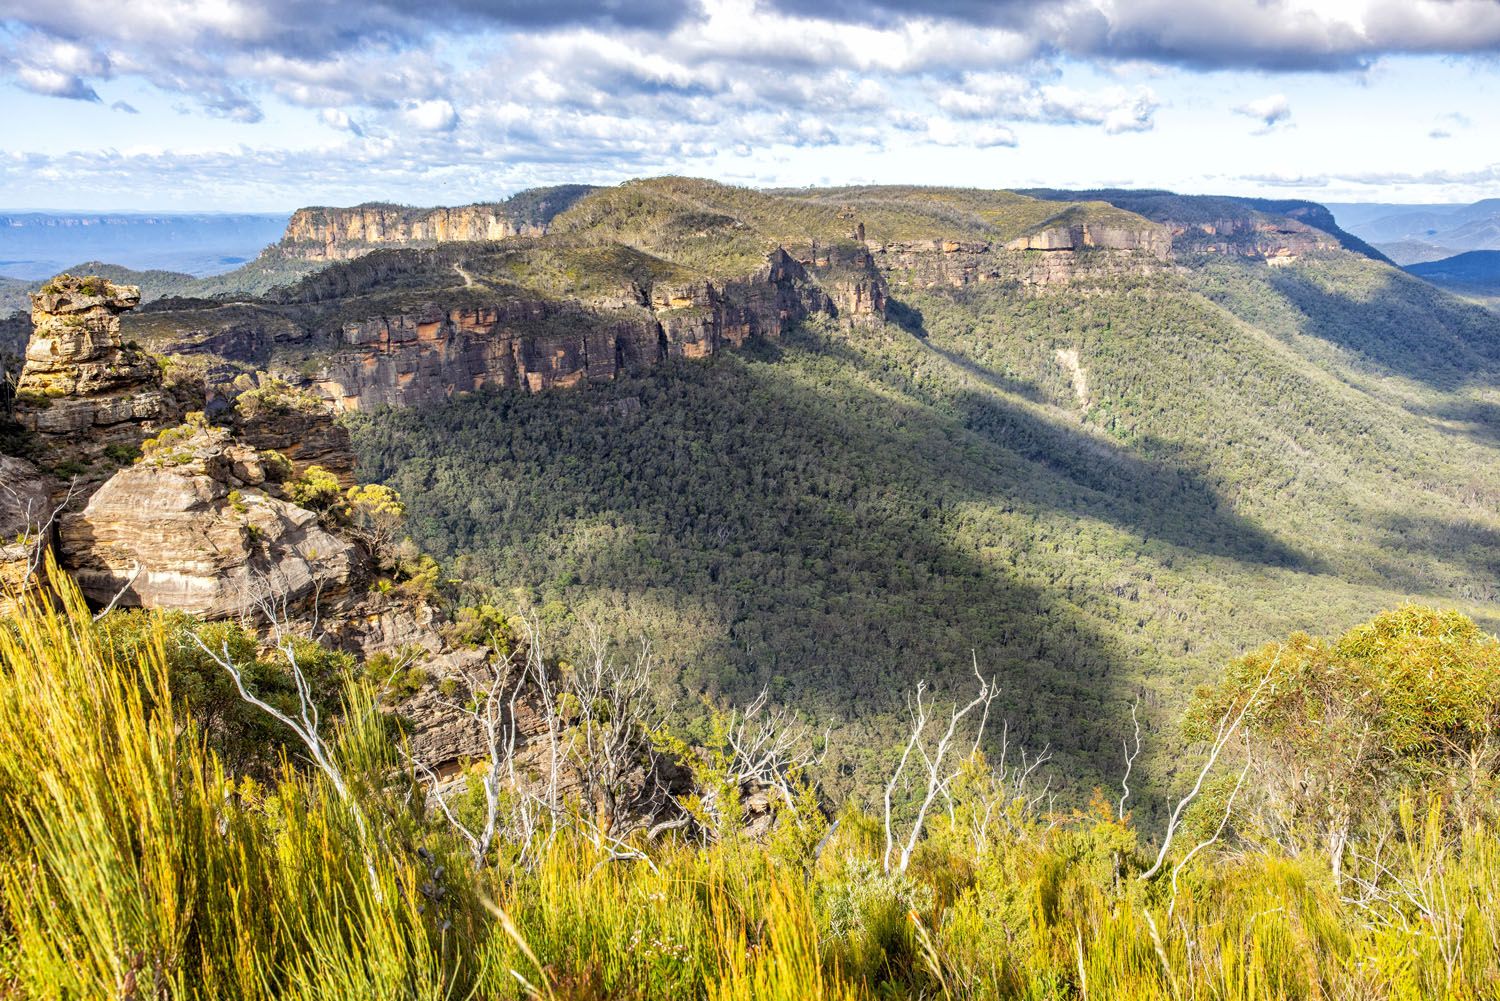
(80, 386)
(339, 234)
(329, 234)
(1275, 239)
(1151, 241)
(425, 356)
(1054, 256)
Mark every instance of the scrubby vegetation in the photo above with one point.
(142, 855)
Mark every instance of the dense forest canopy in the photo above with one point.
(1097, 492)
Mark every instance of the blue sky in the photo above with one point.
(270, 104)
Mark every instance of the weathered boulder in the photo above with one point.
(192, 527)
(276, 416)
(80, 387)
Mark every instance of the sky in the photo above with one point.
(265, 105)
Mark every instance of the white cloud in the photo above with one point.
(54, 83)
(336, 118)
(431, 116)
(1271, 111)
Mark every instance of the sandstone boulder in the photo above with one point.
(192, 528)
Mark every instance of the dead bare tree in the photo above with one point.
(491, 705)
(609, 749)
(1228, 726)
(935, 776)
(1006, 796)
(1130, 756)
(765, 748)
(1218, 831)
(38, 519)
(772, 748)
(267, 597)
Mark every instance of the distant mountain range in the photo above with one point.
(1416, 234)
(35, 245)
(1456, 247)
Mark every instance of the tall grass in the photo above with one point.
(133, 866)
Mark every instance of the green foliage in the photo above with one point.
(374, 514)
(133, 865)
(397, 674)
(828, 512)
(245, 740)
(167, 447)
(482, 625)
(122, 455)
(316, 488)
(274, 397)
(1403, 708)
(278, 468)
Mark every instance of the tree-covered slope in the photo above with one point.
(1095, 492)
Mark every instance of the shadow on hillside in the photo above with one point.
(1003, 384)
(843, 543)
(907, 317)
(1472, 546)
(1481, 420)
(1400, 324)
(1053, 466)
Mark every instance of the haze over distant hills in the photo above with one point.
(1414, 234)
(35, 245)
(1456, 247)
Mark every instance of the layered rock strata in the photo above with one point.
(426, 356)
(81, 387)
(195, 526)
(341, 234)
(1274, 238)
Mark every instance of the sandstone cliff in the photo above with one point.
(534, 344)
(1274, 238)
(1045, 258)
(340, 234)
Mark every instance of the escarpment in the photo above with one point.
(566, 287)
(1054, 255)
(535, 344)
(341, 234)
(329, 234)
(1275, 238)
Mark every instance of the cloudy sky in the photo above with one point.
(270, 104)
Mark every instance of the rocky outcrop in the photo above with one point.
(275, 416)
(1055, 260)
(195, 526)
(425, 356)
(341, 234)
(80, 387)
(1145, 239)
(1274, 238)
(850, 277)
